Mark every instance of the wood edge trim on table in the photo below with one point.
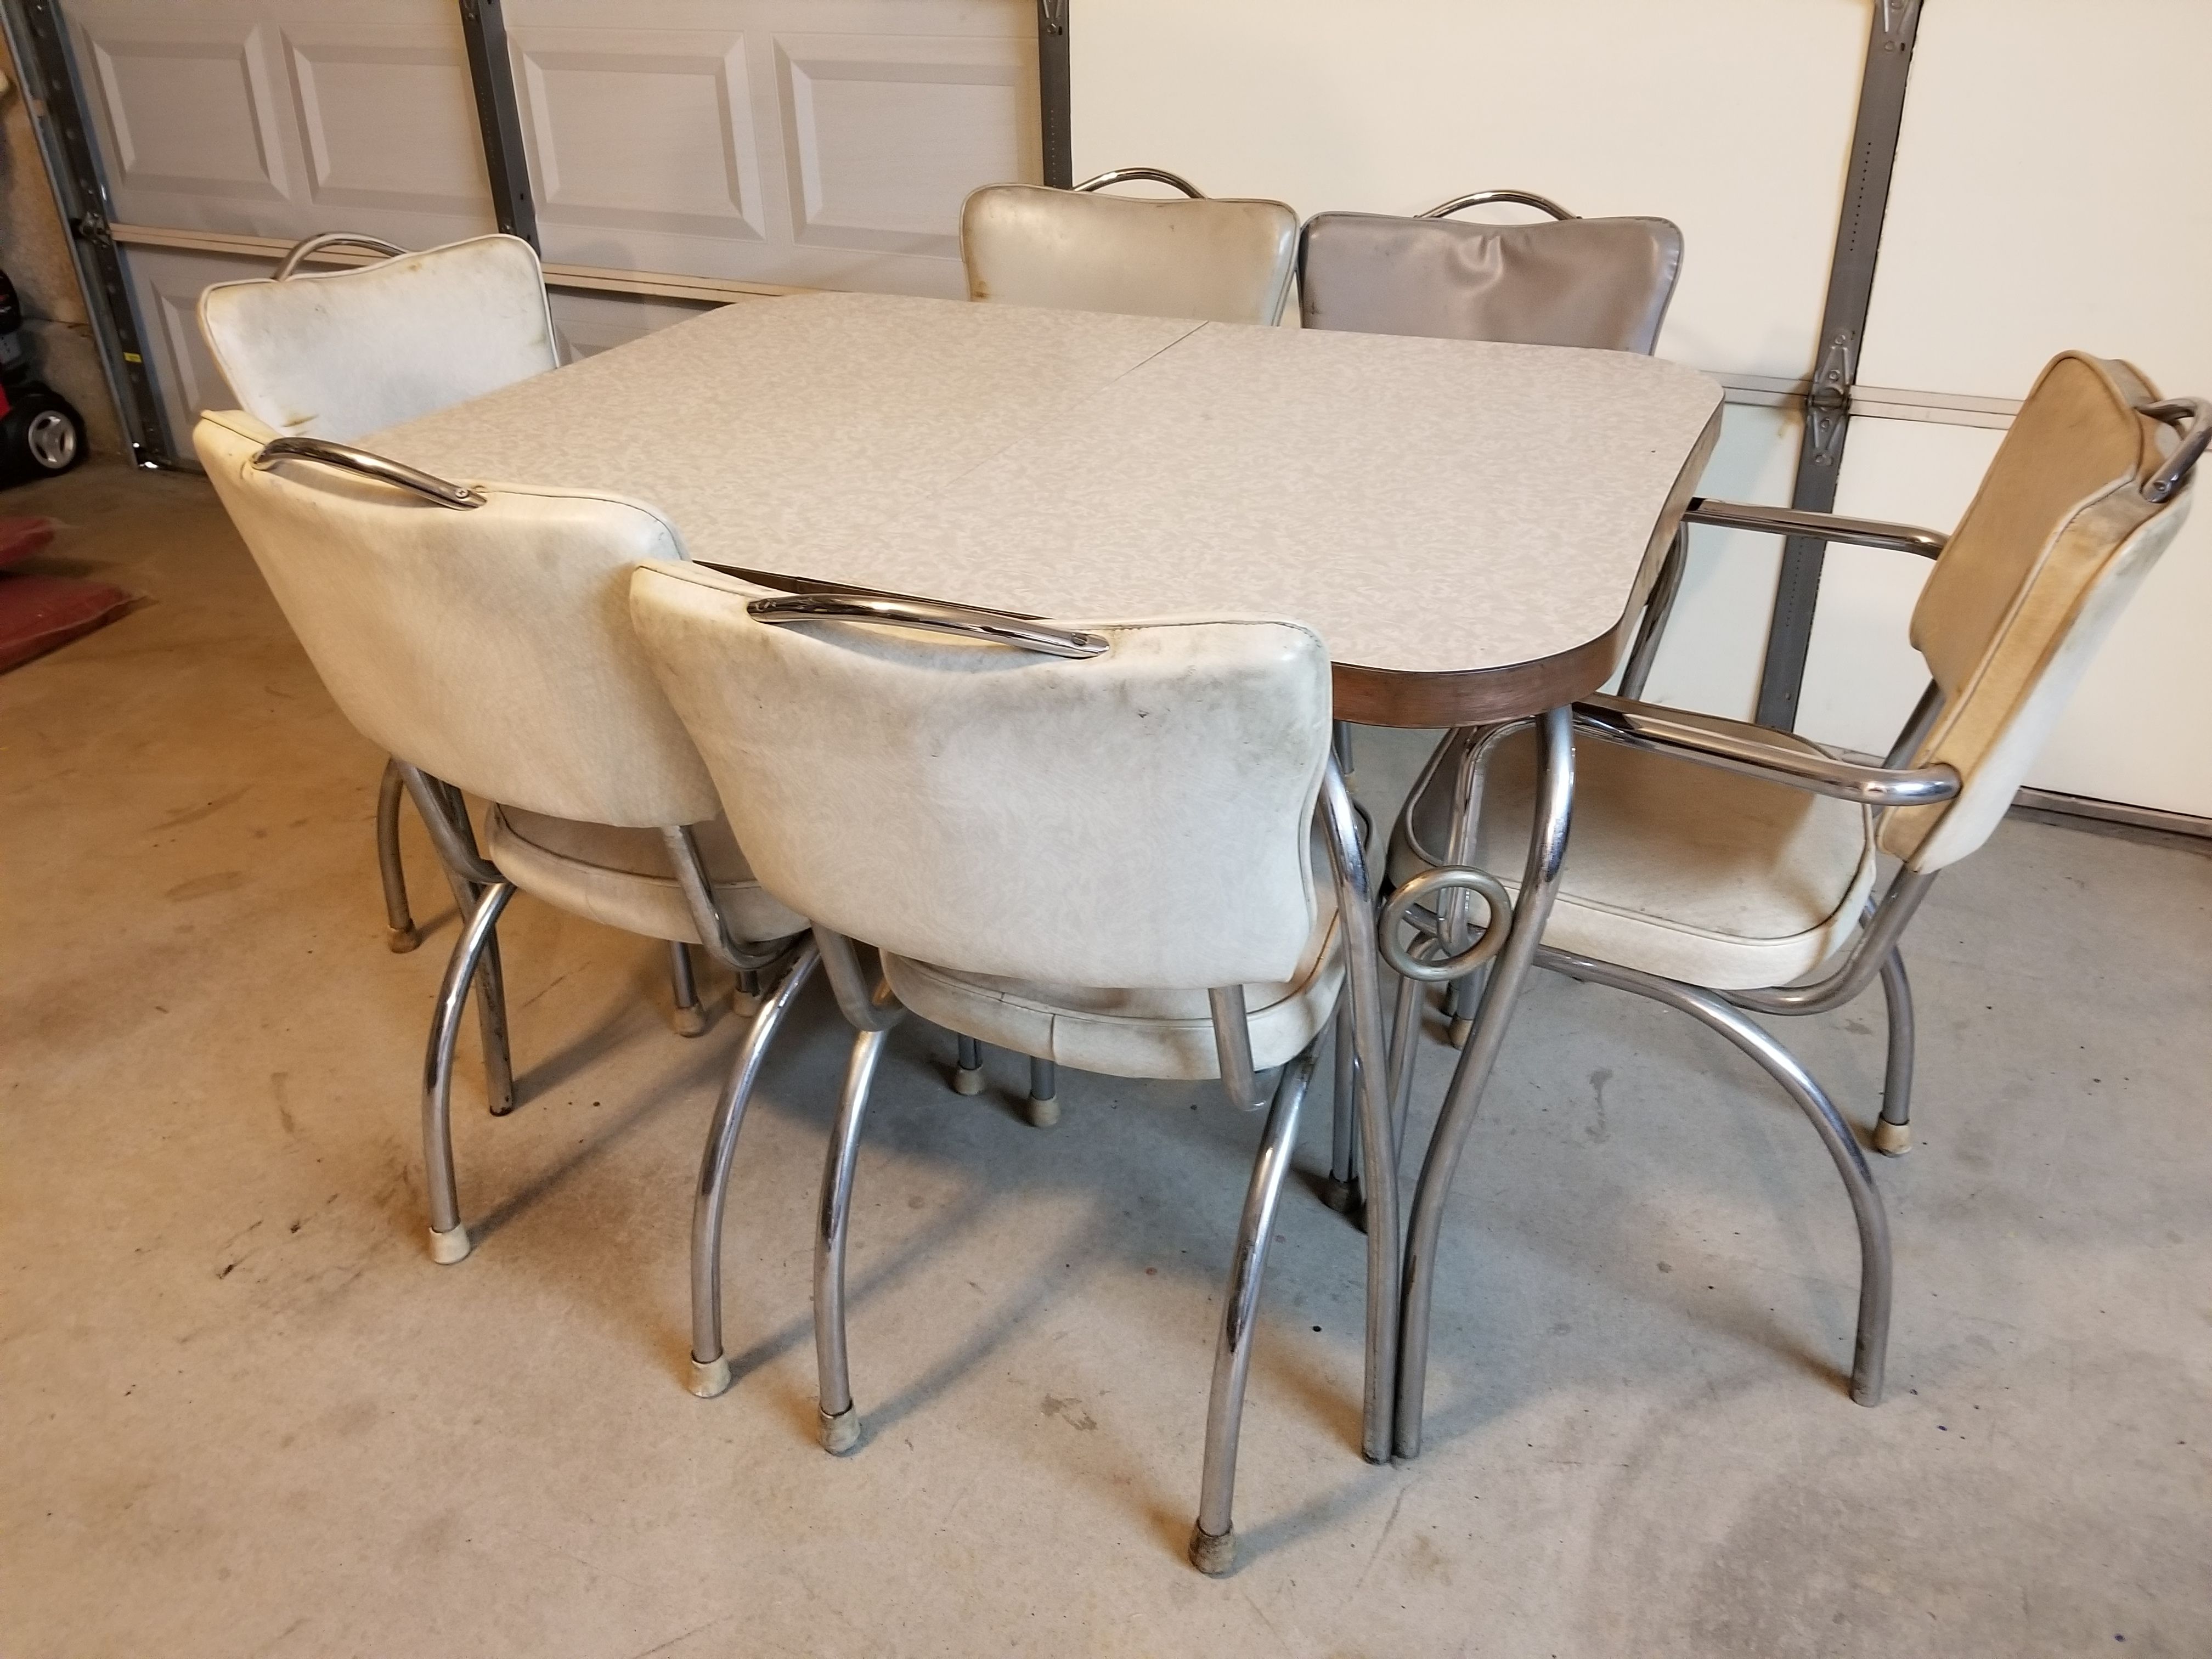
(1477, 696)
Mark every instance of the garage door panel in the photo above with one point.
(187, 106)
(884, 135)
(349, 81)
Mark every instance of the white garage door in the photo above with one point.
(681, 152)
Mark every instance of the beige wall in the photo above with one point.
(2046, 196)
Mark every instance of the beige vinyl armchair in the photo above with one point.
(341, 354)
(1092, 844)
(480, 635)
(1727, 871)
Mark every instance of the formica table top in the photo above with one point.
(1471, 527)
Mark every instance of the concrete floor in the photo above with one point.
(242, 1414)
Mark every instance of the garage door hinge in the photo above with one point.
(1828, 404)
(1055, 16)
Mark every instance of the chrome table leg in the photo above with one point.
(710, 1366)
(1892, 1131)
(1547, 846)
(449, 1239)
(399, 921)
(1213, 1539)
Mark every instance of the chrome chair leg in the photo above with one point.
(839, 1418)
(449, 1239)
(968, 1069)
(1213, 1538)
(1539, 886)
(1892, 1130)
(710, 1366)
(491, 978)
(689, 1018)
(1042, 1107)
(745, 994)
(1656, 609)
(1340, 1192)
(399, 933)
(1871, 1348)
(1405, 1051)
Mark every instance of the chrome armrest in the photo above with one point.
(1000, 627)
(1827, 527)
(1733, 747)
(382, 468)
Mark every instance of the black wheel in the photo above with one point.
(42, 436)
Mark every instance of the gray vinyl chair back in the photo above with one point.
(1568, 282)
(1137, 818)
(489, 645)
(1222, 260)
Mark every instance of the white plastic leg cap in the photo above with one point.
(1461, 1030)
(688, 1022)
(1892, 1139)
(447, 1248)
(967, 1082)
(401, 940)
(745, 1004)
(1212, 1554)
(710, 1377)
(1042, 1114)
(840, 1433)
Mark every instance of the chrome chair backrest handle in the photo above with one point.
(1135, 175)
(996, 626)
(2192, 417)
(302, 251)
(383, 468)
(1482, 197)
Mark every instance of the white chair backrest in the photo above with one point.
(491, 646)
(1224, 261)
(1138, 818)
(2058, 538)
(343, 353)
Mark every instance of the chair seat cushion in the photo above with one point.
(1164, 1033)
(1676, 869)
(623, 878)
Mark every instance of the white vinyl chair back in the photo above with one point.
(1603, 283)
(1137, 818)
(2058, 540)
(1221, 260)
(489, 645)
(343, 353)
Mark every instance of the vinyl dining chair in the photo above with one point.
(1224, 261)
(480, 635)
(1018, 815)
(1726, 870)
(341, 354)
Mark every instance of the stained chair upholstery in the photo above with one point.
(1714, 866)
(487, 648)
(1014, 831)
(1224, 261)
(341, 354)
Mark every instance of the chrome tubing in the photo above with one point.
(399, 921)
(1142, 175)
(446, 814)
(304, 251)
(1213, 1538)
(707, 919)
(1355, 908)
(1539, 886)
(2192, 417)
(1871, 1345)
(347, 458)
(1892, 1130)
(710, 1366)
(1484, 198)
(864, 1009)
(1870, 951)
(998, 627)
(1730, 749)
(449, 1239)
(1636, 674)
(690, 1018)
(1042, 1106)
(1232, 1047)
(1918, 725)
(839, 1420)
(1339, 1192)
(1826, 526)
